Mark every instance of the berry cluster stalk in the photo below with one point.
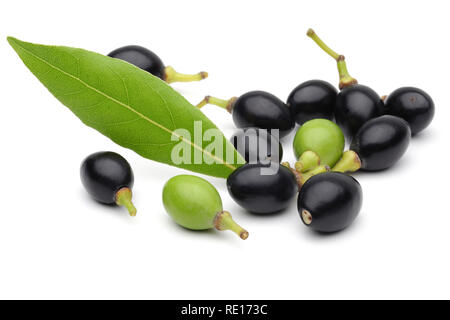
(306, 167)
(123, 198)
(170, 76)
(349, 162)
(225, 104)
(224, 221)
(345, 80)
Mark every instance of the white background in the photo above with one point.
(55, 242)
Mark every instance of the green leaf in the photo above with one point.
(130, 106)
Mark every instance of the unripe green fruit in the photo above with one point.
(195, 204)
(191, 201)
(323, 137)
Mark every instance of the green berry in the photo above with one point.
(323, 137)
(195, 204)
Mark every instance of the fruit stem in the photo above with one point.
(226, 104)
(170, 76)
(312, 34)
(349, 162)
(308, 175)
(345, 80)
(297, 174)
(123, 198)
(302, 177)
(307, 161)
(224, 221)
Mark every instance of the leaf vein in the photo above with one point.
(130, 109)
(112, 124)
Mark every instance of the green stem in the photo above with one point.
(308, 175)
(224, 221)
(302, 177)
(307, 161)
(349, 162)
(123, 198)
(345, 80)
(225, 104)
(312, 34)
(170, 76)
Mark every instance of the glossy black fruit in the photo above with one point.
(262, 193)
(255, 145)
(312, 99)
(108, 178)
(329, 202)
(381, 142)
(142, 58)
(413, 105)
(355, 105)
(262, 110)
(147, 60)
(256, 109)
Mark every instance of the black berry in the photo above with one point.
(413, 105)
(329, 202)
(108, 178)
(312, 99)
(262, 193)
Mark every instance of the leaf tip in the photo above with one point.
(12, 41)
